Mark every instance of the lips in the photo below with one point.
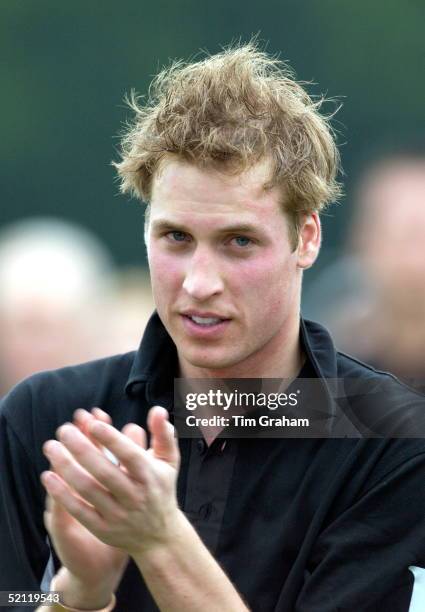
(204, 324)
(204, 318)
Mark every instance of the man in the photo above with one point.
(380, 280)
(391, 213)
(236, 163)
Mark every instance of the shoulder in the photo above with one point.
(39, 404)
(352, 369)
(379, 404)
(73, 383)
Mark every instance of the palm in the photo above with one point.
(85, 556)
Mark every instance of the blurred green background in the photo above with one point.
(67, 65)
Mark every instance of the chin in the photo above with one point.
(210, 362)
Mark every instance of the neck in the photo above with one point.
(281, 357)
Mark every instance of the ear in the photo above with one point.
(310, 236)
(146, 224)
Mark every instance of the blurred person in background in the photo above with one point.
(377, 309)
(54, 279)
(389, 240)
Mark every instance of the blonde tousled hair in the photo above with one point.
(229, 111)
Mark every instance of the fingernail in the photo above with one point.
(47, 478)
(50, 446)
(65, 431)
(80, 413)
(161, 408)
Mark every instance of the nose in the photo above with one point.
(202, 279)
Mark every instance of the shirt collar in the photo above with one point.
(154, 366)
(155, 362)
(319, 349)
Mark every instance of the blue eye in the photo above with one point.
(242, 241)
(178, 236)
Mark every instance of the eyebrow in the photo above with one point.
(236, 228)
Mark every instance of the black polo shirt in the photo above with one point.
(315, 525)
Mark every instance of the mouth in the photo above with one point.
(207, 324)
(205, 321)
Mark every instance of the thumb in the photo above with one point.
(163, 440)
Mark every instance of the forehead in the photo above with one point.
(181, 189)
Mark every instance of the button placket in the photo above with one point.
(202, 447)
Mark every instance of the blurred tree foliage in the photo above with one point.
(67, 65)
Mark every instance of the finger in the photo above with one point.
(52, 506)
(104, 417)
(163, 440)
(101, 415)
(82, 418)
(47, 516)
(56, 518)
(62, 495)
(93, 460)
(128, 452)
(135, 433)
(64, 464)
(49, 503)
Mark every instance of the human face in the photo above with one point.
(393, 226)
(225, 280)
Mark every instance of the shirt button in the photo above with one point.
(205, 510)
(202, 446)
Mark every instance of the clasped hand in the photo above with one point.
(131, 506)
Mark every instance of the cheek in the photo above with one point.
(267, 278)
(165, 269)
